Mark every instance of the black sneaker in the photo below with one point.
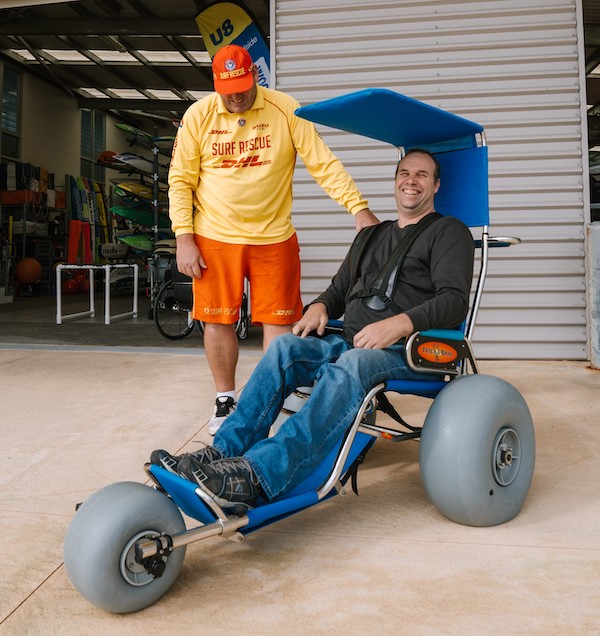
(223, 408)
(231, 482)
(170, 462)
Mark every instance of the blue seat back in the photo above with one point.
(464, 185)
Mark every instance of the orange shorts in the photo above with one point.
(272, 270)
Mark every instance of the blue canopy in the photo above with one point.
(399, 120)
(405, 122)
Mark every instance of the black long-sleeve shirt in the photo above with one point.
(432, 286)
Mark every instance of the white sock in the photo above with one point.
(226, 394)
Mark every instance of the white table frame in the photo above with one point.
(92, 310)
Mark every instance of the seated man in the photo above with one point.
(398, 277)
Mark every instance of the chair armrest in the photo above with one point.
(499, 241)
(334, 326)
(446, 334)
(439, 351)
(503, 241)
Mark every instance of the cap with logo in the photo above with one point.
(232, 70)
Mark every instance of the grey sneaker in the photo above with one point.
(171, 462)
(231, 482)
(223, 408)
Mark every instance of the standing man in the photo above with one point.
(230, 201)
(383, 298)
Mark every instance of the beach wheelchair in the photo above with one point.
(126, 543)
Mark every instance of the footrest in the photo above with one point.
(183, 492)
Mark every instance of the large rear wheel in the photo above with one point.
(477, 451)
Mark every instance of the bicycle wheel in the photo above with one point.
(243, 323)
(172, 320)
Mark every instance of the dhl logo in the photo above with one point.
(244, 162)
(437, 352)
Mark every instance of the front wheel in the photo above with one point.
(99, 548)
(477, 451)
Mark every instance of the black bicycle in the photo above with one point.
(173, 309)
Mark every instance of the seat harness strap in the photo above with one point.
(385, 406)
(380, 296)
(352, 472)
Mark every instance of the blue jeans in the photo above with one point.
(343, 375)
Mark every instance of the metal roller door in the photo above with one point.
(512, 66)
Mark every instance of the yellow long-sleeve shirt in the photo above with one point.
(231, 174)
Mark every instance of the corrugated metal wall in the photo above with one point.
(510, 65)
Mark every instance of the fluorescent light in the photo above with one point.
(23, 54)
(127, 93)
(202, 57)
(66, 56)
(114, 56)
(199, 94)
(92, 92)
(162, 94)
(163, 57)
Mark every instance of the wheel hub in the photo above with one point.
(506, 456)
(134, 572)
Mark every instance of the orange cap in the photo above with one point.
(232, 70)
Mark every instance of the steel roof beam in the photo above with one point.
(135, 104)
(100, 26)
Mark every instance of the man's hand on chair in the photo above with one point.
(314, 320)
(382, 334)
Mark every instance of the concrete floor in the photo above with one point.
(76, 418)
